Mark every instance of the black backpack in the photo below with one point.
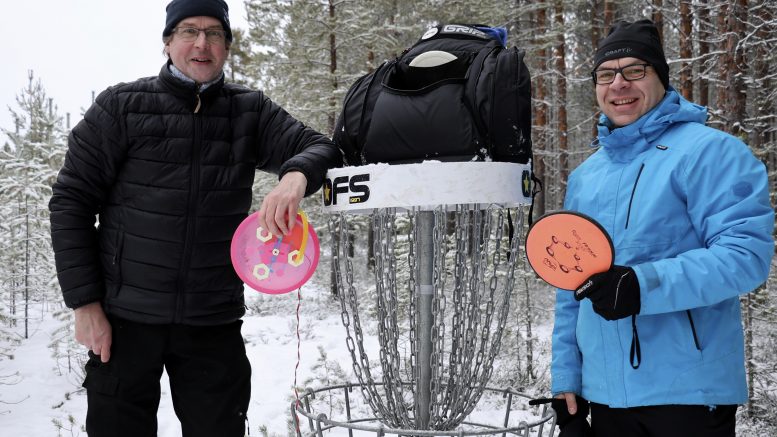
(474, 107)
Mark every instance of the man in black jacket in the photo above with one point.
(167, 163)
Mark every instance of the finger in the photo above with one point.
(280, 220)
(102, 347)
(269, 218)
(260, 217)
(105, 353)
(292, 216)
(571, 403)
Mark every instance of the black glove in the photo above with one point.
(570, 425)
(614, 293)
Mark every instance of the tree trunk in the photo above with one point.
(540, 107)
(658, 17)
(598, 30)
(609, 15)
(686, 51)
(703, 13)
(529, 336)
(737, 20)
(747, 312)
(725, 67)
(561, 90)
(27, 256)
(332, 66)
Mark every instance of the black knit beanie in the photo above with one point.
(639, 39)
(177, 10)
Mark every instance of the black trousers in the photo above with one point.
(664, 421)
(210, 380)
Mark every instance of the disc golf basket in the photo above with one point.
(444, 270)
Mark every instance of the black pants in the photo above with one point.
(209, 372)
(664, 421)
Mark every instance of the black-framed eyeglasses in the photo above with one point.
(606, 76)
(190, 34)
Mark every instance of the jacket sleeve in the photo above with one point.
(82, 185)
(729, 208)
(566, 362)
(565, 367)
(286, 144)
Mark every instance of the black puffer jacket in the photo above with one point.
(169, 174)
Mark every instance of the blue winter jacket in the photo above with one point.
(687, 207)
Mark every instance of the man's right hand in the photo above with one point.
(93, 330)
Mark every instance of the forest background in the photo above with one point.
(305, 55)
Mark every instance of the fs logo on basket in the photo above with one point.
(354, 185)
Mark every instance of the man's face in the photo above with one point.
(624, 102)
(199, 60)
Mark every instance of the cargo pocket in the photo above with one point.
(98, 380)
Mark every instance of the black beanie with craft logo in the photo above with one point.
(639, 39)
(177, 10)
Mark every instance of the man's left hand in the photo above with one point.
(278, 212)
(614, 293)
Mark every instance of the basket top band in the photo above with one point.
(426, 186)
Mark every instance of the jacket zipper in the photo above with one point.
(117, 259)
(635, 352)
(633, 190)
(693, 330)
(194, 190)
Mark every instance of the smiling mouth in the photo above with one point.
(201, 60)
(623, 101)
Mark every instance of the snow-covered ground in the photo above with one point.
(35, 394)
(39, 395)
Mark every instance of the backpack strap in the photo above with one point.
(470, 90)
(374, 89)
(356, 115)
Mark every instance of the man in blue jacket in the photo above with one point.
(656, 343)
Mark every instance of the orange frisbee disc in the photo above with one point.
(564, 248)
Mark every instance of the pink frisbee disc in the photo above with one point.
(274, 265)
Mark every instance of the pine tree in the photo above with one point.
(29, 166)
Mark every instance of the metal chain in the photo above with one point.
(481, 278)
(413, 271)
(436, 404)
(347, 297)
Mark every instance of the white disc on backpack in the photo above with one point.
(432, 58)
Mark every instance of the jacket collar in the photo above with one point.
(625, 142)
(185, 87)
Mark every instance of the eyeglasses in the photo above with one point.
(190, 34)
(606, 76)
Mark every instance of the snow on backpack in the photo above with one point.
(458, 94)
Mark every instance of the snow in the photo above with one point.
(41, 395)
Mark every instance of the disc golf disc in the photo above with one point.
(564, 248)
(271, 264)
